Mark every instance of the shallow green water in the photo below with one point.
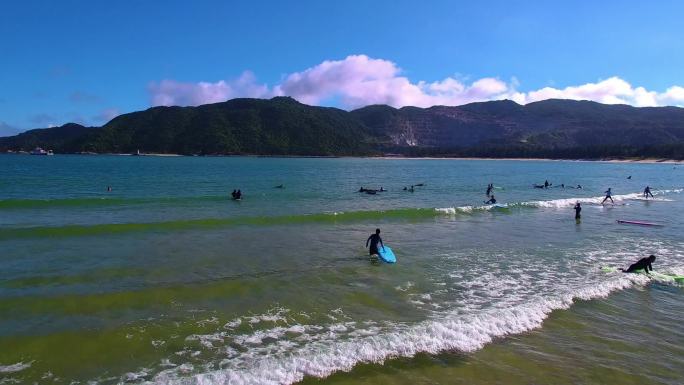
(166, 280)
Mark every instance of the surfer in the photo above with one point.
(643, 263)
(647, 192)
(578, 210)
(546, 184)
(608, 196)
(234, 194)
(374, 239)
(579, 186)
(382, 189)
(491, 201)
(280, 186)
(109, 188)
(362, 189)
(489, 189)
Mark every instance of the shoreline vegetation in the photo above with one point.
(387, 157)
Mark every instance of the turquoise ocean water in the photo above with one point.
(165, 280)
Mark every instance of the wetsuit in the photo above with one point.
(578, 209)
(643, 263)
(647, 192)
(608, 196)
(374, 239)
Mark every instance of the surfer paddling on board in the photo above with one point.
(374, 239)
(608, 196)
(647, 192)
(642, 264)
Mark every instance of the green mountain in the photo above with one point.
(283, 126)
(66, 138)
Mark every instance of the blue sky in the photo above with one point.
(87, 61)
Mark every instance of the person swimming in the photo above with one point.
(374, 239)
(642, 264)
(647, 192)
(609, 194)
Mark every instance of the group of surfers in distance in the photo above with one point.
(413, 187)
(371, 191)
(547, 185)
(374, 191)
(236, 194)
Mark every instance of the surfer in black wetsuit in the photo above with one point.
(643, 263)
(489, 189)
(546, 184)
(647, 192)
(491, 201)
(578, 210)
(608, 196)
(374, 239)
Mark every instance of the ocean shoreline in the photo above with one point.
(385, 157)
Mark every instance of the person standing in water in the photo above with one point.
(578, 210)
(608, 196)
(374, 239)
(647, 192)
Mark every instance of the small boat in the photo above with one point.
(40, 151)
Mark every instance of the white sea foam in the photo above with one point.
(18, 367)
(564, 202)
(490, 300)
(327, 352)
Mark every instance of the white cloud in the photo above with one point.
(174, 93)
(359, 80)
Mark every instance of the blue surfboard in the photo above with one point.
(386, 254)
